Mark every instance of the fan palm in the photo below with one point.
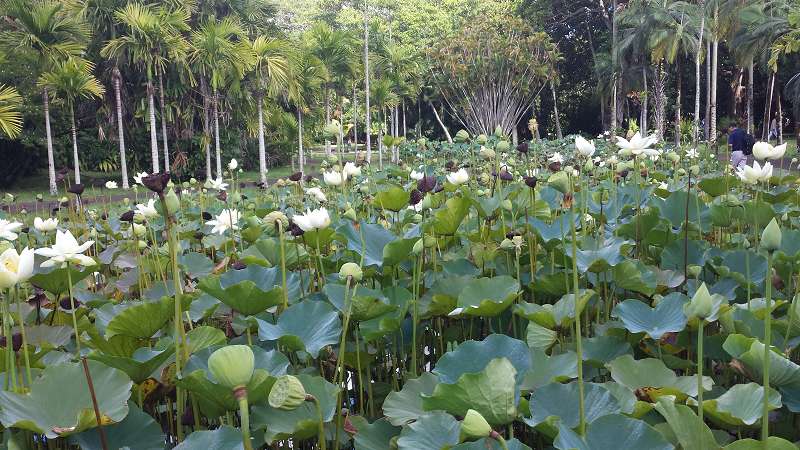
(10, 117)
(44, 29)
(71, 81)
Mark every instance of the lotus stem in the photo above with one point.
(578, 343)
(74, 312)
(11, 379)
(244, 416)
(321, 422)
(283, 264)
(24, 339)
(699, 375)
(767, 344)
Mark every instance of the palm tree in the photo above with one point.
(307, 75)
(221, 53)
(70, 81)
(367, 112)
(10, 117)
(271, 73)
(384, 98)
(151, 38)
(44, 29)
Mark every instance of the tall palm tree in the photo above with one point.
(221, 53)
(71, 81)
(150, 39)
(271, 78)
(307, 75)
(384, 98)
(44, 29)
(10, 116)
(367, 112)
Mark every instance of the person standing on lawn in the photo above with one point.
(740, 144)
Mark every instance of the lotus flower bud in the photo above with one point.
(771, 237)
(481, 139)
(427, 202)
(588, 166)
(681, 171)
(693, 270)
(507, 244)
(474, 426)
(417, 247)
(701, 305)
(498, 131)
(416, 218)
(462, 136)
(560, 182)
(232, 366)
(695, 169)
(351, 269)
(506, 205)
(503, 146)
(287, 393)
(364, 189)
(172, 202)
(139, 230)
(142, 245)
(673, 157)
(350, 213)
(430, 241)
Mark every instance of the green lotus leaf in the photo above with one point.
(373, 237)
(541, 315)
(539, 337)
(308, 326)
(267, 252)
(474, 356)
(546, 369)
(203, 337)
(140, 319)
(654, 376)
(487, 297)
(299, 423)
(196, 265)
(601, 256)
(750, 351)
(405, 406)
(600, 350)
(666, 317)
(138, 366)
(612, 432)
(741, 405)
(59, 403)
(557, 404)
(222, 438)
(491, 392)
(685, 425)
(399, 298)
(673, 208)
(718, 185)
(552, 233)
(249, 291)
(434, 430)
(373, 436)
(634, 276)
(395, 198)
(55, 280)
(447, 220)
(773, 443)
(490, 444)
(364, 304)
(673, 254)
(138, 430)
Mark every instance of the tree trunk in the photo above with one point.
(206, 127)
(749, 107)
(441, 124)
(696, 118)
(614, 68)
(780, 120)
(382, 116)
(217, 150)
(368, 120)
(679, 93)
(768, 106)
(123, 163)
(301, 158)
(555, 111)
(167, 166)
(405, 126)
(153, 135)
(514, 136)
(327, 117)
(643, 125)
(51, 165)
(355, 121)
(262, 148)
(659, 100)
(712, 130)
(706, 124)
(75, 159)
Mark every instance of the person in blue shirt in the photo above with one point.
(737, 144)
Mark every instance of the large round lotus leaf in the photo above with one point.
(405, 406)
(718, 185)
(56, 280)
(487, 297)
(673, 208)
(473, 356)
(600, 350)
(654, 376)
(441, 298)
(685, 425)
(222, 438)
(633, 275)
(773, 443)
(744, 266)
(203, 337)
(434, 430)
(267, 252)
(138, 366)
(666, 317)
(612, 432)
(740, 405)
(541, 315)
(490, 444)
(446, 220)
(537, 336)
(308, 325)
(138, 430)
(196, 265)
(140, 319)
(557, 403)
(373, 436)
(364, 303)
(395, 198)
(380, 246)
(600, 256)
(546, 369)
(750, 351)
(491, 392)
(250, 291)
(390, 321)
(59, 403)
(302, 422)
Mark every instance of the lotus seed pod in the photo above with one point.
(287, 393)
(350, 213)
(232, 366)
(139, 230)
(771, 237)
(351, 269)
(681, 171)
(673, 157)
(481, 139)
(418, 246)
(695, 169)
(487, 153)
(272, 219)
(474, 426)
(503, 146)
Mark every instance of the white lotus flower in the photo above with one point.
(317, 194)
(228, 219)
(15, 267)
(147, 211)
(218, 184)
(414, 175)
(755, 173)
(556, 158)
(233, 164)
(66, 250)
(45, 225)
(138, 177)
(351, 170)
(638, 145)
(584, 147)
(765, 150)
(459, 177)
(692, 153)
(111, 185)
(334, 178)
(8, 229)
(312, 220)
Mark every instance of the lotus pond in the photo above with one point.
(616, 294)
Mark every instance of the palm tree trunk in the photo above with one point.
(355, 120)
(679, 93)
(712, 130)
(696, 121)
(327, 117)
(301, 158)
(51, 165)
(643, 125)
(153, 136)
(768, 106)
(441, 124)
(380, 140)
(780, 120)
(405, 125)
(167, 166)
(206, 127)
(750, 97)
(367, 122)
(75, 161)
(262, 150)
(614, 68)
(216, 132)
(555, 110)
(123, 163)
(659, 100)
